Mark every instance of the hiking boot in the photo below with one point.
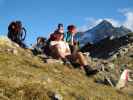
(89, 71)
(65, 61)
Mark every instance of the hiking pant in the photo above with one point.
(74, 48)
(78, 58)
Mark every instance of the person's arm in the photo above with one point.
(65, 37)
(68, 51)
(72, 40)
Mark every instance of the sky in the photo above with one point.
(40, 17)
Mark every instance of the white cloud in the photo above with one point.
(91, 22)
(128, 22)
(114, 22)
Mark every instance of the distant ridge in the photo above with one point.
(101, 31)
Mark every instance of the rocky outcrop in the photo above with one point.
(108, 47)
(8, 46)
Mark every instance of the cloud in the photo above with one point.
(91, 22)
(129, 19)
(127, 22)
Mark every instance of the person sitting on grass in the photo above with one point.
(60, 28)
(69, 38)
(40, 46)
(61, 50)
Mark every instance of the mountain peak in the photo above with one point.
(106, 23)
(103, 30)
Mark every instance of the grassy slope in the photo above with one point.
(25, 77)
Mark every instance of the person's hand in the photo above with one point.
(75, 42)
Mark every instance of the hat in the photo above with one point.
(60, 25)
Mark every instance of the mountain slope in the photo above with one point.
(107, 47)
(25, 77)
(101, 31)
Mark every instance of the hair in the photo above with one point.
(59, 34)
(42, 39)
(71, 27)
(60, 25)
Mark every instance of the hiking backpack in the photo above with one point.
(16, 32)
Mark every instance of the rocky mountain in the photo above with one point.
(107, 47)
(101, 31)
(104, 40)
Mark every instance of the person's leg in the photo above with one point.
(74, 49)
(54, 52)
(82, 60)
(84, 63)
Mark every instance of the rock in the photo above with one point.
(5, 41)
(53, 61)
(55, 96)
(114, 56)
(111, 65)
(58, 96)
(15, 52)
(131, 55)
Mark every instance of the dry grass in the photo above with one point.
(25, 77)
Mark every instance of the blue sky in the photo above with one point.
(40, 17)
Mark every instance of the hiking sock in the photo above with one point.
(89, 70)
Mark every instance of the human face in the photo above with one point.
(61, 30)
(74, 31)
(40, 41)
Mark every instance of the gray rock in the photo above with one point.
(58, 96)
(55, 96)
